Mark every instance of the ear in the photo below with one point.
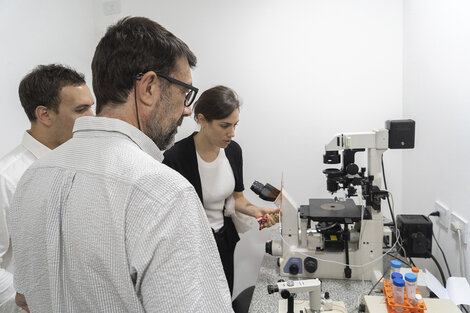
(43, 115)
(148, 89)
(201, 119)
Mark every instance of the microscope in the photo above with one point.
(337, 238)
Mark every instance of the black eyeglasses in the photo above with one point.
(190, 95)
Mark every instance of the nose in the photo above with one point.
(232, 132)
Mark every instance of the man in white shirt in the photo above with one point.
(100, 224)
(53, 96)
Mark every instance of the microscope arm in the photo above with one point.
(377, 139)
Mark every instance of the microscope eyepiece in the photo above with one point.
(257, 187)
(266, 192)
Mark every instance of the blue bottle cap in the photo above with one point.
(396, 275)
(410, 277)
(395, 264)
(399, 282)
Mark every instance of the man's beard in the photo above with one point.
(163, 138)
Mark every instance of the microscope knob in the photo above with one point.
(310, 264)
(285, 293)
(352, 169)
(268, 248)
(294, 269)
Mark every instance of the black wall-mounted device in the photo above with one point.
(416, 235)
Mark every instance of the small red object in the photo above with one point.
(261, 220)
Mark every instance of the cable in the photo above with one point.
(443, 255)
(388, 200)
(391, 207)
(440, 270)
(135, 101)
(401, 260)
(338, 308)
(463, 307)
(373, 287)
(361, 203)
(392, 210)
(462, 265)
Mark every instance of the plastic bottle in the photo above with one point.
(399, 290)
(395, 275)
(410, 285)
(394, 267)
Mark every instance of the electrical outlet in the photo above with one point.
(444, 214)
(464, 231)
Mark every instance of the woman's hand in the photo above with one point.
(267, 217)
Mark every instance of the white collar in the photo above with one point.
(106, 124)
(34, 146)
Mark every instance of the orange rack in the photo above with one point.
(406, 307)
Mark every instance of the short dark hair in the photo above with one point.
(42, 86)
(133, 45)
(216, 103)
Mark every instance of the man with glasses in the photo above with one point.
(100, 224)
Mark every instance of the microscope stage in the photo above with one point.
(329, 210)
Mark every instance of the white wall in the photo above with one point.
(33, 33)
(305, 71)
(437, 96)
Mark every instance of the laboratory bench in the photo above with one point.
(344, 290)
(348, 291)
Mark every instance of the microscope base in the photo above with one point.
(303, 306)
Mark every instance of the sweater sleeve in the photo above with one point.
(182, 158)
(235, 157)
(6, 278)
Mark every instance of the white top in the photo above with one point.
(218, 183)
(12, 167)
(101, 225)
